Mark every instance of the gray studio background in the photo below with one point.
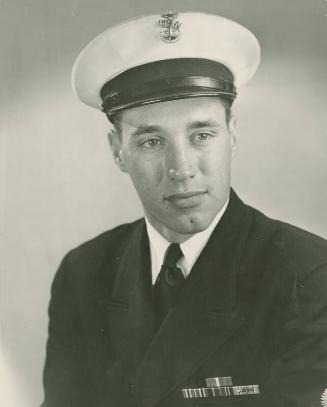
(59, 185)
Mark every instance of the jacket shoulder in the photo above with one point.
(102, 251)
(301, 249)
(107, 240)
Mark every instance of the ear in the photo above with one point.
(115, 141)
(233, 134)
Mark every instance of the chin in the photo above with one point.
(192, 225)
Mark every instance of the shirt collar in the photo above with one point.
(191, 248)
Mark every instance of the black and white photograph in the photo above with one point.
(163, 203)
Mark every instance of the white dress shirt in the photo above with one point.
(191, 248)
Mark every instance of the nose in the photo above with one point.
(180, 163)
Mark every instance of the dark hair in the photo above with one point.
(116, 118)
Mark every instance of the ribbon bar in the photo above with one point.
(219, 381)
(223, 391)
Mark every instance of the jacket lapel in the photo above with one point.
(204, 316)
(130, 310)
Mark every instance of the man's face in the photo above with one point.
(178, 155)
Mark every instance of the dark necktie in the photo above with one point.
(168, 283)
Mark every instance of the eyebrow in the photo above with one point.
(149, 129)
(202, 124)
(144, 129)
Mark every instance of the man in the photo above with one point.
(206, 301)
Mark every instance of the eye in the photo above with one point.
(202, 137)
(151, 142)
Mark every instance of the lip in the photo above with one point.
(187, 199)
(185, 195)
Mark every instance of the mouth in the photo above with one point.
(188, 199)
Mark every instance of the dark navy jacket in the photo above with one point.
(253, 308)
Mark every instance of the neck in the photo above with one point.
(174, 236)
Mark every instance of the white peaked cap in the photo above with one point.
(139, 41)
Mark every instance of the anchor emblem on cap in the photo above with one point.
(170, 27)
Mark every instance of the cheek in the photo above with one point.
(146, 174)
(216, 161)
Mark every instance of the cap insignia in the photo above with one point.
(170, 27)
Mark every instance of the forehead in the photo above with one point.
(174, 113)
